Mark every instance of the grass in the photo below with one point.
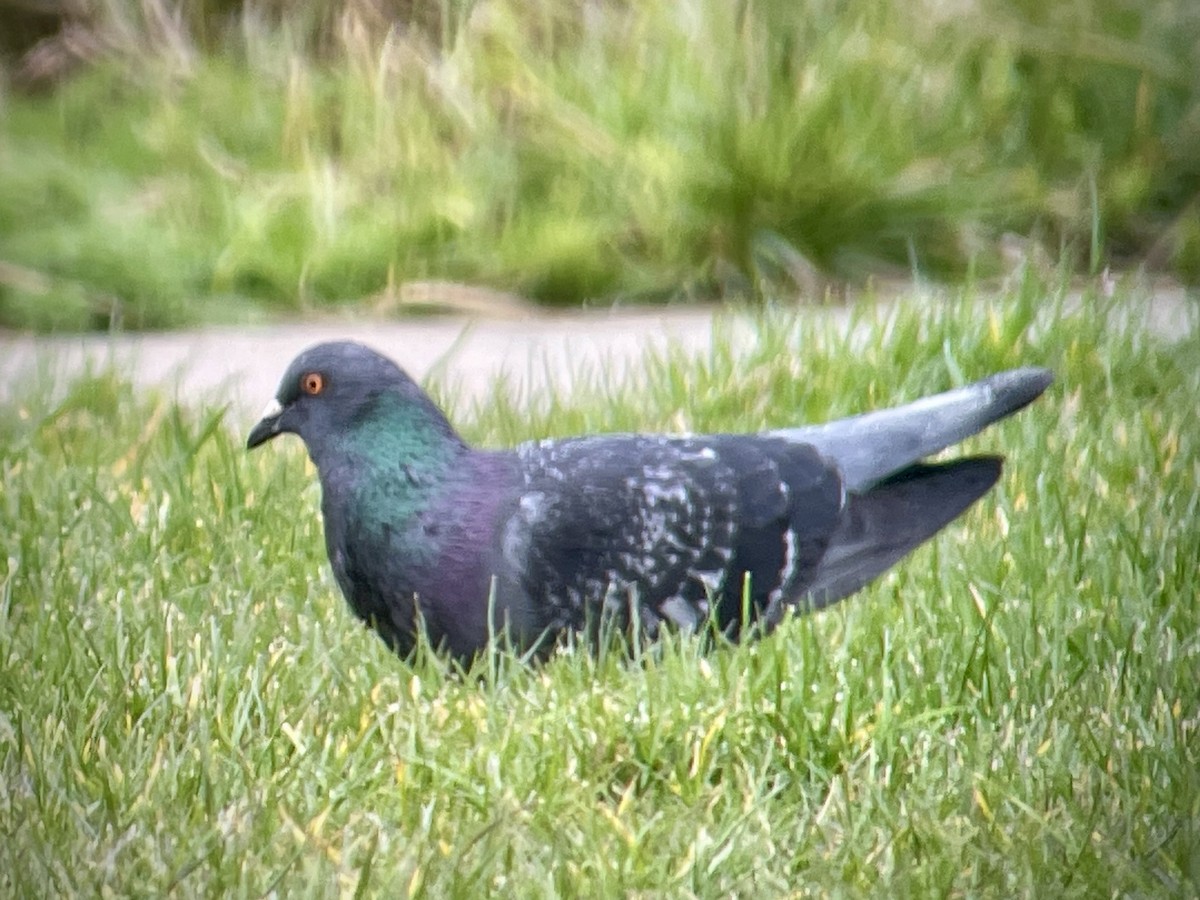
(218, 164)
(188, 709)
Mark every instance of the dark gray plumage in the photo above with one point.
(559, 535)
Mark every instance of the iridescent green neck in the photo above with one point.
(396, 432)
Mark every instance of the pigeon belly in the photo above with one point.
(410, 557)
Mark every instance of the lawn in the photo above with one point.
(188, 709)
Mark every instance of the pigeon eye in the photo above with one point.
(312, 383)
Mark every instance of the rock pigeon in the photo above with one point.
(558, 536)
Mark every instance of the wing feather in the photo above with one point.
(623, 524)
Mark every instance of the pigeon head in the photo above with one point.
(343, 393)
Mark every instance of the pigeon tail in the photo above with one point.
(870, 447)
(887, 522)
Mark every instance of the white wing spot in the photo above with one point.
(712, 580)
(789, 567)
(533, 506)
(680, 612)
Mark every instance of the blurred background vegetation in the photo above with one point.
(170, 163)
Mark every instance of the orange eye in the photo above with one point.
(312, 383)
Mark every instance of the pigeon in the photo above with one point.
(629, 532)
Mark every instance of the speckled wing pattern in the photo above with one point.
(667, 527)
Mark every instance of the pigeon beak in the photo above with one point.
(268, 426)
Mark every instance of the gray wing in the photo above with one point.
(617, 524)
(667, 527)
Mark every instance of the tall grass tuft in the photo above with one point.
(590, 152)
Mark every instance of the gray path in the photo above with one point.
(242, 365)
